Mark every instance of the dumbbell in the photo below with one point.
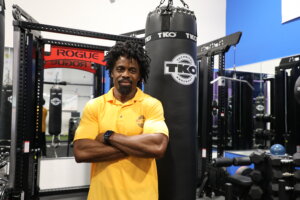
(256, 176)
(277, 174)
(222, 162)
(277, 161)
(240, 161)
(296, 159)
(297, 174)
(281, 187)
(257, 157)
(255, 192)
(297, 187)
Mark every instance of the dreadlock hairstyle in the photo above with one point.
(129, 49)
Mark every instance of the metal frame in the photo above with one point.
(72, 31)
(287, 110)
(2, 39)
(74, 44)
(27, 95)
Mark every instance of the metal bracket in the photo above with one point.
(223, 78)
(18, 12)
(220, 45)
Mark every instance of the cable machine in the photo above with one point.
(205, 55)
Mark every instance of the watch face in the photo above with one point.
(108, 133)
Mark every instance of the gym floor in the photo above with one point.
(83, 196)
(73, 196)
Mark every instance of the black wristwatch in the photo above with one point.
(106, 137)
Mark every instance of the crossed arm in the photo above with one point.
(144, 145)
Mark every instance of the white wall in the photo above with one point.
(113, 18)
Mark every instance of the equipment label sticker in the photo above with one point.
(182, 68)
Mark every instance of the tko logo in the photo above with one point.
(191, 36)
(167, 34)
(147, 39)
(182, 68)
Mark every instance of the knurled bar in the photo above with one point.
(78, 32)
(75, 44)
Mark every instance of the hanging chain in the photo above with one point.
(184, 4)
(161, 2)
(234, 67)
(170, 3)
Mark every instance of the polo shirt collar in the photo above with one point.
(137, 97)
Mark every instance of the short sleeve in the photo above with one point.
(155, 121)
(88, 127)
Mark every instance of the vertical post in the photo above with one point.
(2, 40)
(222, 104)
(205, 115)
(14, 114)
(99, 80)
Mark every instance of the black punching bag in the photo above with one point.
(297, 90)
(171, 35)
(2, 33)
(5, 112)
(55, 108)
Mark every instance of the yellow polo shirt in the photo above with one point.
(45, 111)
(131, 178)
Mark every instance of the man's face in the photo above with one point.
(126, 74)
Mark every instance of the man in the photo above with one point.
(123, 131)
(42, 135)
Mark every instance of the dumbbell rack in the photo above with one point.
(273, 177)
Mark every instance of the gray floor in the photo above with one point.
(83, 196)
(74, 196)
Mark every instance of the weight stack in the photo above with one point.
(171, 42)
(55, 110)
(5, 112)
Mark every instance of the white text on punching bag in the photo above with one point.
(167, 35)
(191, 36)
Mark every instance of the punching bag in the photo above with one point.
(2, 43)
(297, 90)
(55, 109)
(5, 112)
(73, 124)
(170, 40)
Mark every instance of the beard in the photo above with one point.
(125, 89)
